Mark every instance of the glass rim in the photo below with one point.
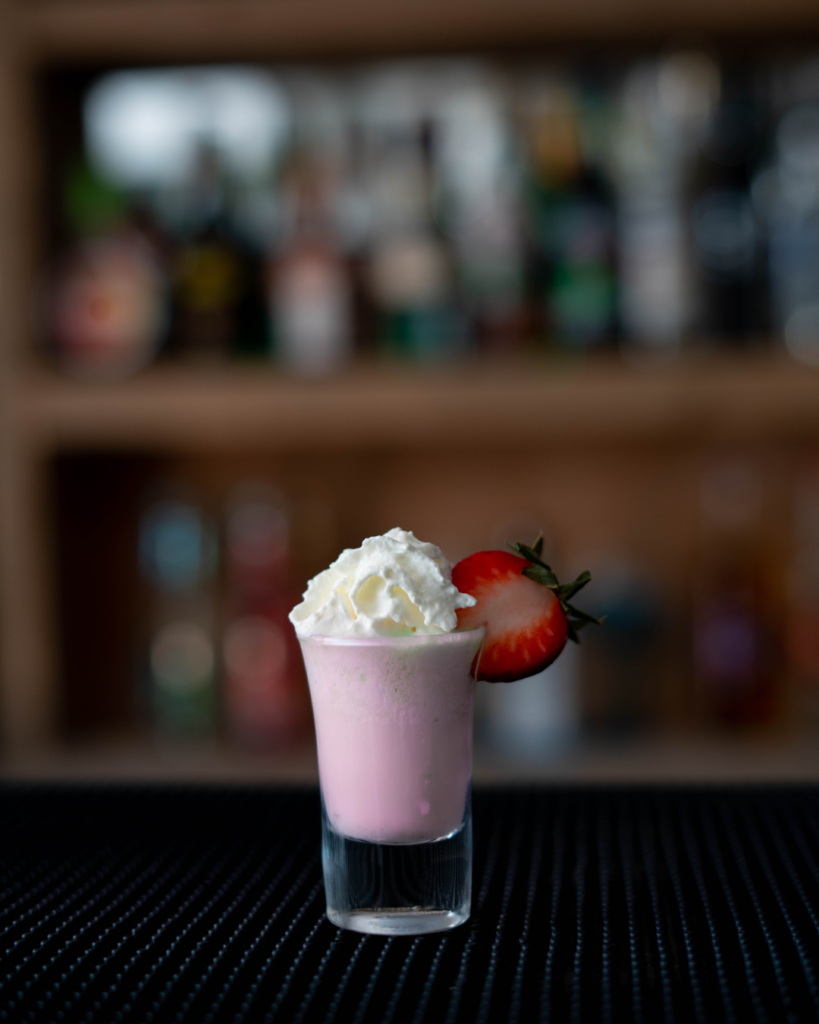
(420, 640)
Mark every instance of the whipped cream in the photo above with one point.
(395, 585)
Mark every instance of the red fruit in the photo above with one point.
(526, 626)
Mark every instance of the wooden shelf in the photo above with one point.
(370, 407)
(649, 759)
(264, 29)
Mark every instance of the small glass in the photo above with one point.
(394, 734)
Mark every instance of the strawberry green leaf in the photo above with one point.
(567, 590)
(529, 553)
(577, 613)
(541, 574)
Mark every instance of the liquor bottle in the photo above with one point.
(786, 198)
(571, 211)
(410, 271)
(479, 171)
(618, 663)
(266, 704)
(664, 109)
(107, 307)
(727, 241)
(309, 288)
(178, 556)
(802, 631)
(218, 293)
(734, 636)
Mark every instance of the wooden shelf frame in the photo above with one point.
(264, 29)
(28, 697)
(169, 409)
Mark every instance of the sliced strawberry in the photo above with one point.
(523, 607)
(526, 628)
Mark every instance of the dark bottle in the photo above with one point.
(218, 296)
(725, 233)
(572, 223)
(802, 627)
(619, 662)
(734, 635)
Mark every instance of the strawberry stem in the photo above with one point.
(542, 573)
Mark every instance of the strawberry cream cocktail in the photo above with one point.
(393, 641)
(391, 684)
(394, 732)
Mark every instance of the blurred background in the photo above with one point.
(276, 280)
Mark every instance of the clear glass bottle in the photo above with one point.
(310, 298)
(664, 108)
(410, 270)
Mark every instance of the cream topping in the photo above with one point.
(394, 585)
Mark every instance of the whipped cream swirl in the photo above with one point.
(395, 585)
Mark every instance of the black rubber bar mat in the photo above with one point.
(202, 904)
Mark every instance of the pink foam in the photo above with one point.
(394, 732)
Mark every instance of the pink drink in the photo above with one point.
(394, 732)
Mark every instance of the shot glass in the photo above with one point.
(393, 722)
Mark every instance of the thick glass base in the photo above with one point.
(401, 888)
(397, 921)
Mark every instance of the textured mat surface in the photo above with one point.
(143, 904)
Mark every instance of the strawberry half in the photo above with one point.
(525, 610)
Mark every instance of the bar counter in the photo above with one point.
(143, 902)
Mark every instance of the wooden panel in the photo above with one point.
(95, 506)
(179, 29)
(174, 408)
(26, 648)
